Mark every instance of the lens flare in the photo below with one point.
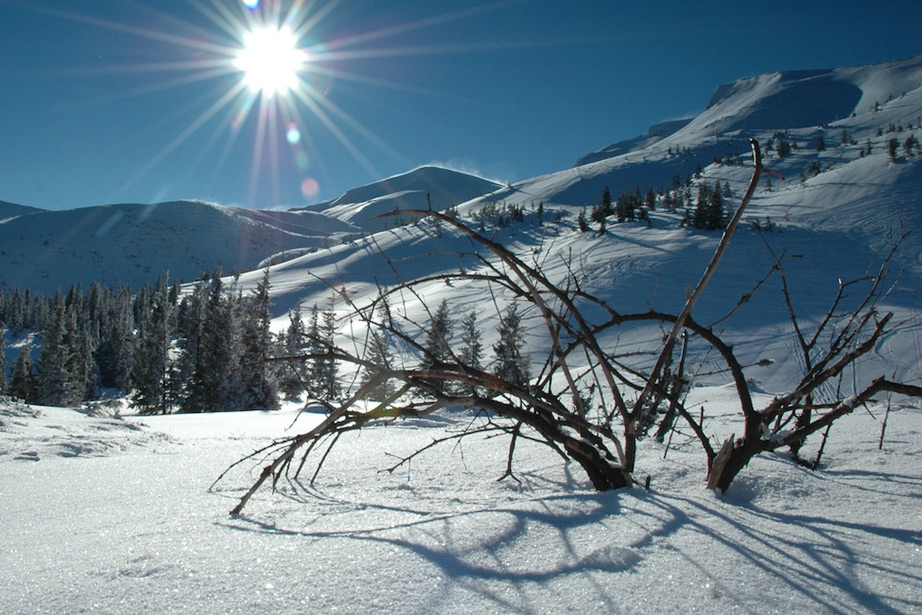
(251, 4)
(293, 134)
(310, 187)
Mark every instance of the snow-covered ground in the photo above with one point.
(109, 515)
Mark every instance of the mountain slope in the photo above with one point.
(11, 210)
(442, 188)
(133, 244)
(834, 222)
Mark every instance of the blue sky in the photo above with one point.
(105, 101)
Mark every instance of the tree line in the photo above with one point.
(211, 348)
(168, 351)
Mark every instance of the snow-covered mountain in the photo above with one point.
(133, 244)
(11, 210)
(421, 188)
(110, 513)
(838, 209)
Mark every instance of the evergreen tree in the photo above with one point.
(378, 352)
(716, 218)
(437, 345)
(820, 143)
(892, 146)
(294, 375)
(22, 380)
(602, 209)
(220, 341)
(650, 199)
(150, 371)
(3, 387)
(56, 384)
(259, 382)
(581, 221)
(700, 218)
(115, 351)
(471, 352)
(327, 369)
(83, 365)
(187, 380)
(509, 362)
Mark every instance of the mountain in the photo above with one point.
(655, 133)
(839, 210)
(133, 244)
(442, 188)
(11, 210)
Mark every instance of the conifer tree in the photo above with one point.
(22, 380)
(259, 382)
(294, 378)
(55, 384)
(378, 352)
(222, 354)
(471, 352)
(327, 369)
(150, 371)
(3, 387)
(581, 221)
(437, 345)
(509, 362)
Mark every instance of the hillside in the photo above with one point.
(112, 513)
(838, 211)
(418, 189)
(11, 210)
(134, 244)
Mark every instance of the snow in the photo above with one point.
(114, 515)
(111, 515)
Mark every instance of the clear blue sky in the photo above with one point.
(105, 101)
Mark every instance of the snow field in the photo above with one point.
(134, 528)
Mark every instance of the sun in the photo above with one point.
(271, 60)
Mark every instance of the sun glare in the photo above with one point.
(270, 61)
(280, 78)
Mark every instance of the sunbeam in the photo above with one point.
(271, 82)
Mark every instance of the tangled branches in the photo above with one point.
(586, 402)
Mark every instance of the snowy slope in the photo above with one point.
(115, 515)
(655, 133)
(110, 516)
(134, 244)
(833, 224)
(418, 189)
(11, 210)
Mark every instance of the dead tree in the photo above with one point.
(587, 403)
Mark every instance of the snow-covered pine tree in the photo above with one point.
(471, 352)
(186, 379)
